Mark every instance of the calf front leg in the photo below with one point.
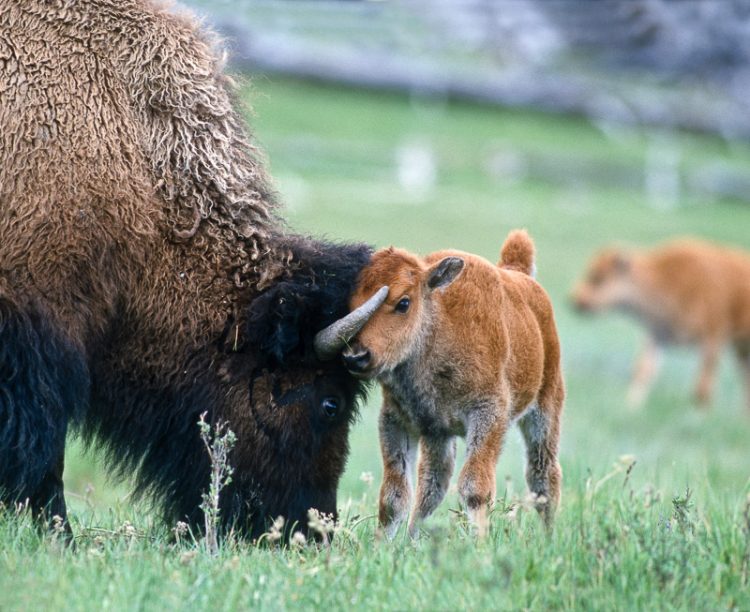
(398, 448)
(486, 429)
(437, 457)
(646, 368)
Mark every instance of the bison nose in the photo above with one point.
(357, 362)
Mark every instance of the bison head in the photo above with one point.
(292, 420)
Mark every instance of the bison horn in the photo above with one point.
(330, 341)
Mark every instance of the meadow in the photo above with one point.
(656, 503)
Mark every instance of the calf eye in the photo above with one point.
(330, 406)
(403, 305)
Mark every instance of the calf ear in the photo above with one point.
(444, 272)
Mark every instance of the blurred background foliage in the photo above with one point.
(446, 124)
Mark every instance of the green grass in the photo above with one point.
(620, 542)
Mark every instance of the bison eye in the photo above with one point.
(403, 305)
(330, 406)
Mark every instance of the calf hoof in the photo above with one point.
(702, 399)
(414, 529)
(387, 532)
(477, 508)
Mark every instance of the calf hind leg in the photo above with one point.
(541, 433)
(743, 357)
(43, 385)
(710, 357)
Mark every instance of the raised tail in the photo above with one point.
(518, 253)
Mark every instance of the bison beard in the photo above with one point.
(145, 277)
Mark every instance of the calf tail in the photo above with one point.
(518, 253)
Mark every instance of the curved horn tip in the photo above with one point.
(381, 294)
(329, 341)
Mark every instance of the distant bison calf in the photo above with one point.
(461, 348)
(687, 291)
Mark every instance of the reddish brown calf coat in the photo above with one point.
(461, 348)
(687, 291)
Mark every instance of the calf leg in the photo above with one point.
(476, 484)
(398, 448)
(437, 457)
(646, 368)
(710, 357)
(540, 426)
(743, 357)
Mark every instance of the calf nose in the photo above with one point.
(357, 362)
(578, 301)
(581, 304)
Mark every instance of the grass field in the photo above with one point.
(629, 534)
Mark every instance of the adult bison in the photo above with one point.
(145, 277)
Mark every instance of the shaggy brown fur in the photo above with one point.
(461, 348)
(136, 231)
(687, 291)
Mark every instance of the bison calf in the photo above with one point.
(461, 348)
(685, 292)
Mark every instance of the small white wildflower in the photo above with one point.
(299, 539)
(367, 478)
(277, 529)
(128, 530)
(181, 528)
(58, 524)
(321, 523)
